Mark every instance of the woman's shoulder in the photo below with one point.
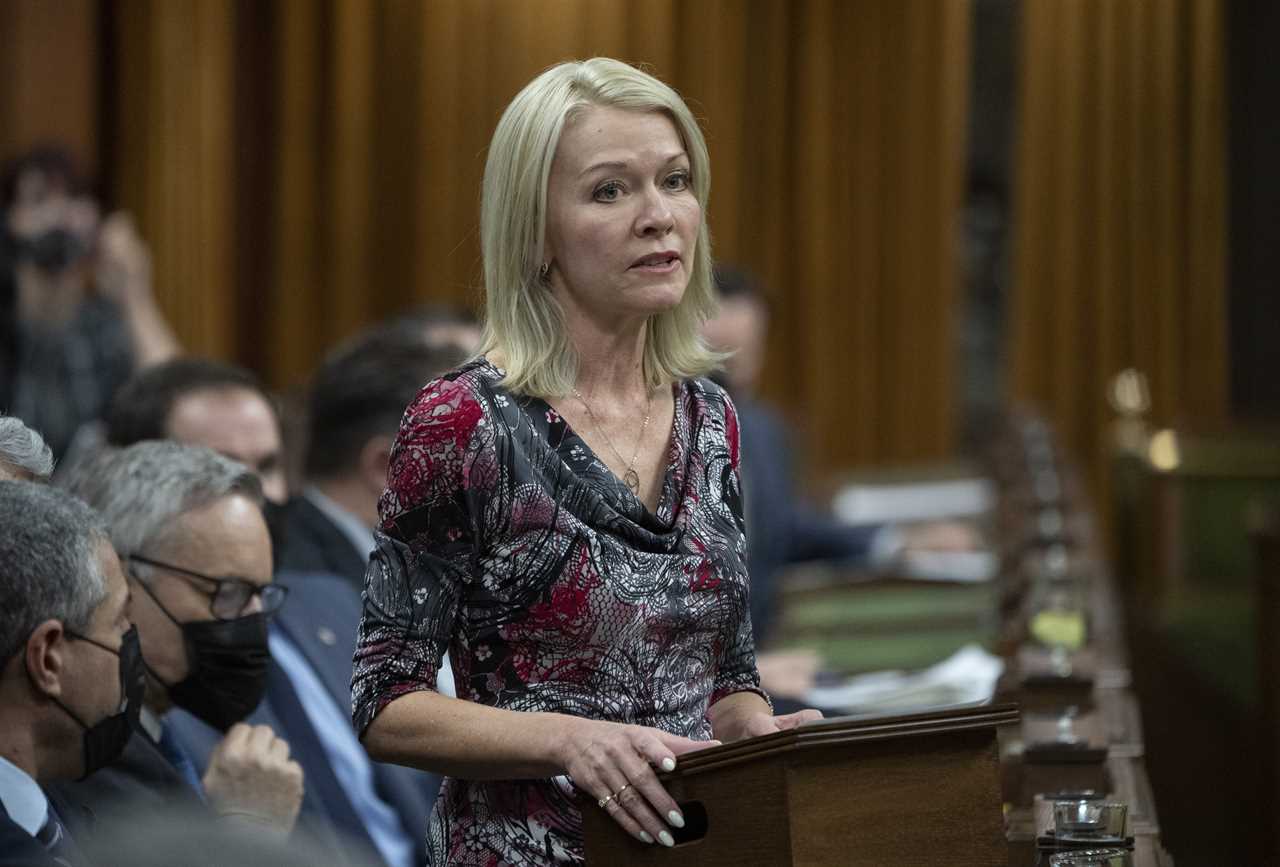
(440, 436)
(460, 391)
(449, 410)
(708, 396)
(710, 406)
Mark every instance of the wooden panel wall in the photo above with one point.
(1120, 212)
(173, 142)
(49, 77)
(303, 167)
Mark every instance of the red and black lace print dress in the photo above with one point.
(505, 541)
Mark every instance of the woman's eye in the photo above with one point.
(608, 192)
(677, 181)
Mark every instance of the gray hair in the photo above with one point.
(49, 567)
(24, 449)
(143, 488)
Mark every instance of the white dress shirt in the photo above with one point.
(22, 797)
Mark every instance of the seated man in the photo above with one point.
(208, 403)
(356, 400)
(782, 527)
(188, 525)
(72, 681)
(380, 809)
(23, 453)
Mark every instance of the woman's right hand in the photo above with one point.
(615, 763)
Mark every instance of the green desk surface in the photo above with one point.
(899, 625)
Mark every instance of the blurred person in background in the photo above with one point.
(188, 525)
(77, 311)
(23, 452)
(72, 682)
(202, 402)
(782, 526)
(354, 407)
(446, 327)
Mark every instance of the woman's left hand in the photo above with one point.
(766, 723)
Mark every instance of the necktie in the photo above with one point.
(181, 762)
(308, 751)
(53, 836)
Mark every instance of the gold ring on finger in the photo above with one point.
(604, 802)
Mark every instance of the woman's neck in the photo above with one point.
(611, 360)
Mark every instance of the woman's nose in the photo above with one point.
(656, 218)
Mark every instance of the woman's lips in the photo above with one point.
(658, 262)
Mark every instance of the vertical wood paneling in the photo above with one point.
(48, 77)
(836, 133)
(1120, 213)
(294, 305)
(352, 172)
(1205, 227)
(813, 161)
(175, 128)
(867, 107)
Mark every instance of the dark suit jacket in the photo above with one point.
(320, 617)
(782, 528)
(18, 848)
(140, 780)
(306, 541)
(142, 783)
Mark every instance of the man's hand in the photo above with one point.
(789, 673)
(950, 536)
(251, 776)
(124, 262)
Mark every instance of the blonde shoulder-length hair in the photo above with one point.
(522, 318)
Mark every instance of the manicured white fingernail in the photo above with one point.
(644, 835)
(667, 839)
(675, 818)
(668, 764)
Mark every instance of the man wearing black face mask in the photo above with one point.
(72, 680)
(189, 528)
(77, 312)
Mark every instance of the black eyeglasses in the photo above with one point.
(230, 596)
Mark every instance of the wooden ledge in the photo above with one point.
(848, 730)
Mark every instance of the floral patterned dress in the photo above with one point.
(505, 541)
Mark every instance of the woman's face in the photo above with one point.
(622, 219)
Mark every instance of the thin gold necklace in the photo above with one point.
(630, 476)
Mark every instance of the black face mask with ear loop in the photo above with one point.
(228, 662)
(105, 740)
(228, 677)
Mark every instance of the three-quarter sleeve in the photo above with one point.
(426, 544)
(737, 670)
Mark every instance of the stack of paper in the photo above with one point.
(969, 675)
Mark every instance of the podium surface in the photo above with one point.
(918, 789)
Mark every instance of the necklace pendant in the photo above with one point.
(633, 481)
